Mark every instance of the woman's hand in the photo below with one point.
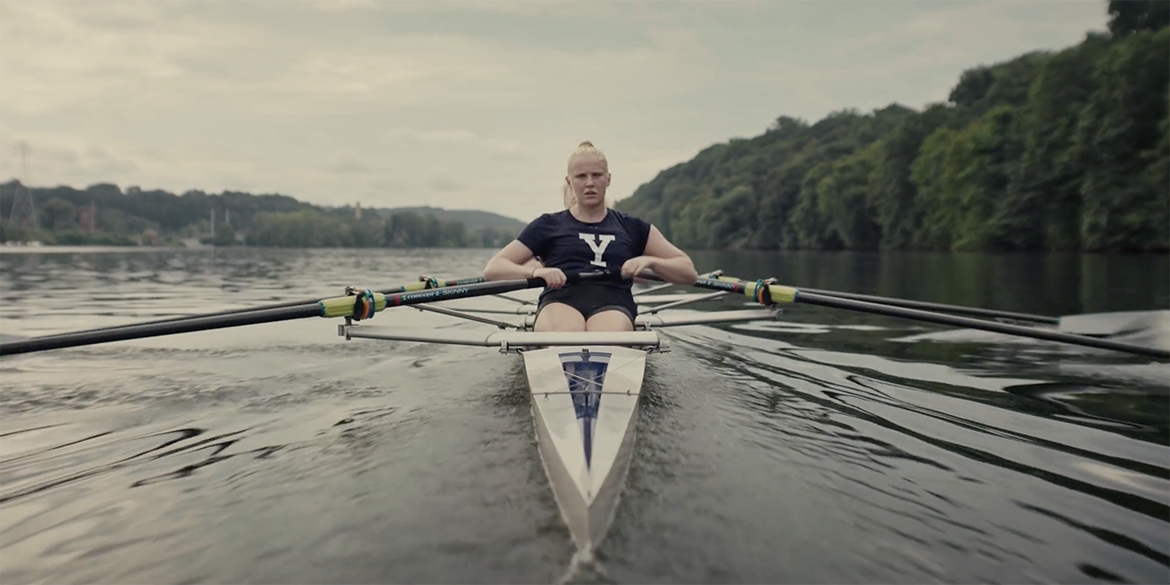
(634, 266)
(553, 277)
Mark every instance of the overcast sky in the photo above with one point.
(459, 104)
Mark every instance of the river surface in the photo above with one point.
(826, 447)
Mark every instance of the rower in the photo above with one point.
(588, 235)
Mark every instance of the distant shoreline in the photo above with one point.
(63, 249)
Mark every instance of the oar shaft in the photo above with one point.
(421, 285)
(992, 326)
(741, 286)
(927, 306)
(787, 294)
(333, 307)
(144, 330)
(343, 306)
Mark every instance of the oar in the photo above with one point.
(774, 293)
(363, 305)
(424, 283)
(909, 304)
(658, 287)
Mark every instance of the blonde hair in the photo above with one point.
(586, 148)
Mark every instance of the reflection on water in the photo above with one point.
(926, 472)
(1048, 284)
(824, 447)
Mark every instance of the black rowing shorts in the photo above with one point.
(590, 299)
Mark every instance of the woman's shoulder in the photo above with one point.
(556, 215)
(549, 218)
(628, 219)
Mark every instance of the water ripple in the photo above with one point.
(817, 449)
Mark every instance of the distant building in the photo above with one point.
(357, 211)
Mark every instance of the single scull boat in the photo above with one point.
(584, 389)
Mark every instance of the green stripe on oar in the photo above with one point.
(777, 293)
(787, 294)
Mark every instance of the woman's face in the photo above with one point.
(589, 178)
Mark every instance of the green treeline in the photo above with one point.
(1049, 151)
(139, 217)
(407, 229)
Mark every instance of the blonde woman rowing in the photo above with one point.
(588, 236)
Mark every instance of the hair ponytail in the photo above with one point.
(567, 195)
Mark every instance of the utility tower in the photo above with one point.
(24, 211)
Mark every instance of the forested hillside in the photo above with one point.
(1065, 150)
(65, 215)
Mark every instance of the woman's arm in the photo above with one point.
(665, 259)
(514, 261)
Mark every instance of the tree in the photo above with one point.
(1117, 143)
(1128, 17)
(1048, 150)
(59, 214)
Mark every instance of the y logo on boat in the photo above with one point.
(598, 247)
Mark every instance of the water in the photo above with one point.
(822, 448)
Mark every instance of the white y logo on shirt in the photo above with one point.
(598, 250)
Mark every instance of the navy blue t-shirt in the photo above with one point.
(560, 240)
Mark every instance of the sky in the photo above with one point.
(461, 104)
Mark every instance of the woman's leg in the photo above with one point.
(609, 320)
(559, 317)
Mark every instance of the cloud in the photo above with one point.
(393, 6)
(442, 181)
(261, 68)
(513, 8)
(48, 160)
(464, 138)
(948, 36)
(458, 103)
(344, 5)
(881, 54)
(56, 49)
(347, 163)
(438, 136)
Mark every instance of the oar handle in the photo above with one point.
(579, 277)
(594, 275)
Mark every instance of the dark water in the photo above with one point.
(823, 448)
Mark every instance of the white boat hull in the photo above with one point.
(583, 404)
